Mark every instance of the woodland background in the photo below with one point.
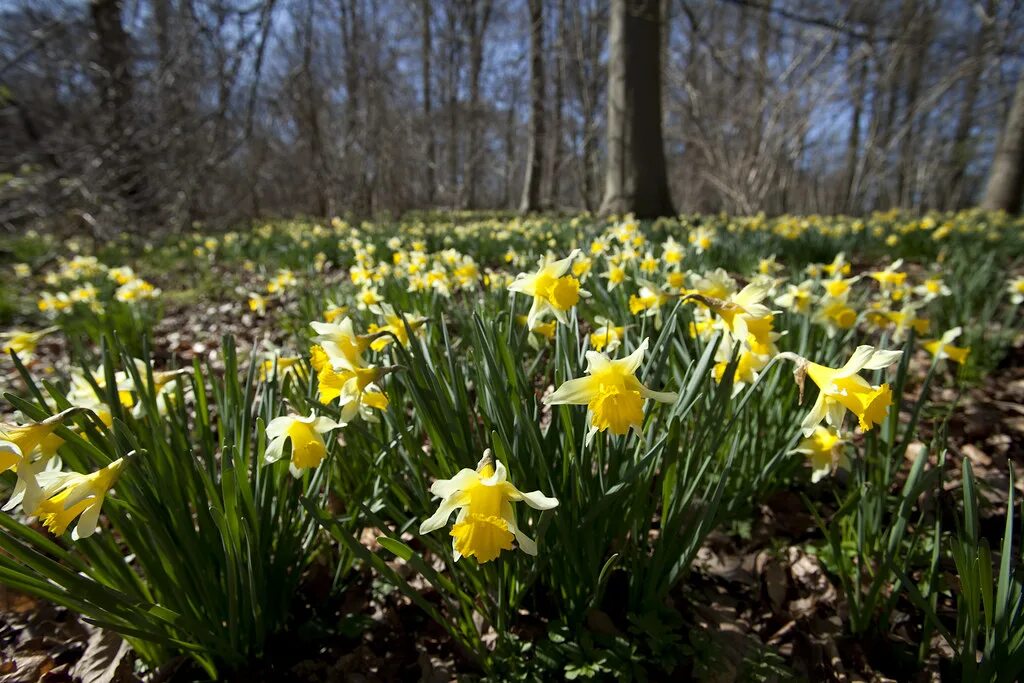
(151, 115)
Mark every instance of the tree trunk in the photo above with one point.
(428, 123)
(535, 150)
(860, 83)
(635, 177)
(114, 81)
(555, 168)
(962, 148)
(1006, 179)
(479, 18)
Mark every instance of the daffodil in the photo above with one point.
(701, 239)
(486, 523)
(715, 284)
(834, 315)
(824, 449)
(672, 252)
(29, 437)
(333, 311)
(932, 288)
(340, 342)
(907, 319)
(1016, 289)
(648, 301)
(839, 266)
(277, 366)
(890, 278)
(943, 347)
(393, 327)
(739, 310)
(306, 436)
(23, 343)
(608, 336)
(27, 491)
(257, 303)
(613, 395)
(842, 389)
(551, 288)
(71, 495)
(356, 389)
(797, 298)
(838, 287)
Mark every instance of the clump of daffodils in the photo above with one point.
(343, 374)
(486, 523)
(613, 395)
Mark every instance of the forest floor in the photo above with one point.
(754, 590)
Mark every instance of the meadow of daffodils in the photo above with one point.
(525, 445)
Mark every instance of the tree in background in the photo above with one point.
(1006, 179)
(636, 180)
(535, 145)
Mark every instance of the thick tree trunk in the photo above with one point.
(535, 152)
(635, 177)
(114, 81)
(427, 114)
(479, 18)
(860, 84)
(555, 167)
(1006, 179)
(962, 148)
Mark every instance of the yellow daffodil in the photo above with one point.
(613, 395)
(71, 495)
(834, 315)
(932, 288)
(393, 327)
(23, 343)
(486, 523)
(797, 298)
(943, 347)
(672, 252)
(1016, 289)
(356, 389)
(890, 278)
(257, 304)
(277, 366)
(715, 284)
(824, 449)
(551, 288)
(333, 311)
(839, 288)
(748, 367)
(340, 342)
(839, 266)
(701, 239)
(306, 436)
(608, 336)
(739, 310)
(648, 301)
(842, 389)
